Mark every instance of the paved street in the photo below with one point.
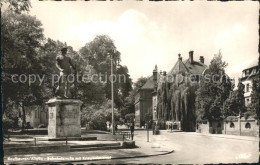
(189, 147)
(197, 148)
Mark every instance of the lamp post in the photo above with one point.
(112, 94)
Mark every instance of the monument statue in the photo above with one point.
(64, 64)
(64, 110)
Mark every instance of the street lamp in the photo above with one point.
(112, 92)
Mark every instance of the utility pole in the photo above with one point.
(147, 132)
(112, 95)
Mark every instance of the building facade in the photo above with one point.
(35, 116)
(247, 75)
(174, 93)
(143, 102)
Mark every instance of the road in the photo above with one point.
(196, 148)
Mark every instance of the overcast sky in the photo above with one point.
(150, 33)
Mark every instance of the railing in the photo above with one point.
(126, 134)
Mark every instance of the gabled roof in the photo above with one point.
(149, 84)
(195, 67)
(179, 67)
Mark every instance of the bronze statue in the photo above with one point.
(64, 64)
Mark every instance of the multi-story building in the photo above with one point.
(247, 75)
(176, 92)
(164, 99)
(143, 102)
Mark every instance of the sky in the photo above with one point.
(154, 33)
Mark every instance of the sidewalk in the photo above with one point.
(247, 138)
(145, 149)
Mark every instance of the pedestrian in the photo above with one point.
(116, 127)
(153, 128)
(132, 129)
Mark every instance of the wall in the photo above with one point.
(207, 128)
(137, 114)
(137, 109)
(232, 131)
(36, 115)
(33, 116)
(143, 104)
(253, 131)
(44, 117)
(146, 104)
(202, 127)
(154, 107)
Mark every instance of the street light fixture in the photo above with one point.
(112, 92)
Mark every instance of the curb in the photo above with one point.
(115, 158)
(236, 138)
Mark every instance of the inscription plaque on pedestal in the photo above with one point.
(64, 118)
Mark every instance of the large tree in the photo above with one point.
(17, 6)
(235, 103)
(214, 89)
(253, 107)
(21, 38)
(98, 54)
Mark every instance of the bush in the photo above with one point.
(130, 117)
(7, 124)
(161, 124)
(96, 116)
(98, 121)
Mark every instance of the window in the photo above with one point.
(232, 125)
(248, 125)
(243, 74)
(247, 72)
(247, 87)
(35, 113)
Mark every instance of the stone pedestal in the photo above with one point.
(64, 118)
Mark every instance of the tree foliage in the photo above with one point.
(17, 6)
(21, 38)
(253, 107)
(25, 51)
(214, 89)
(130, 117)
(98, 54)
(96, 115)
(235, 103)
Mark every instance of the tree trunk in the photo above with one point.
(23, 116)
(4, 99)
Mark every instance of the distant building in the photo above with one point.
(143, 102)
(247, 75)
(165, 98)
(35, 116)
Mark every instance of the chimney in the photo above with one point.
(180, 58)
(164, 73)
(191, 56)
(202, 59)
(155, 74)
(155, 71)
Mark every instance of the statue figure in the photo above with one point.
(64, 64)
